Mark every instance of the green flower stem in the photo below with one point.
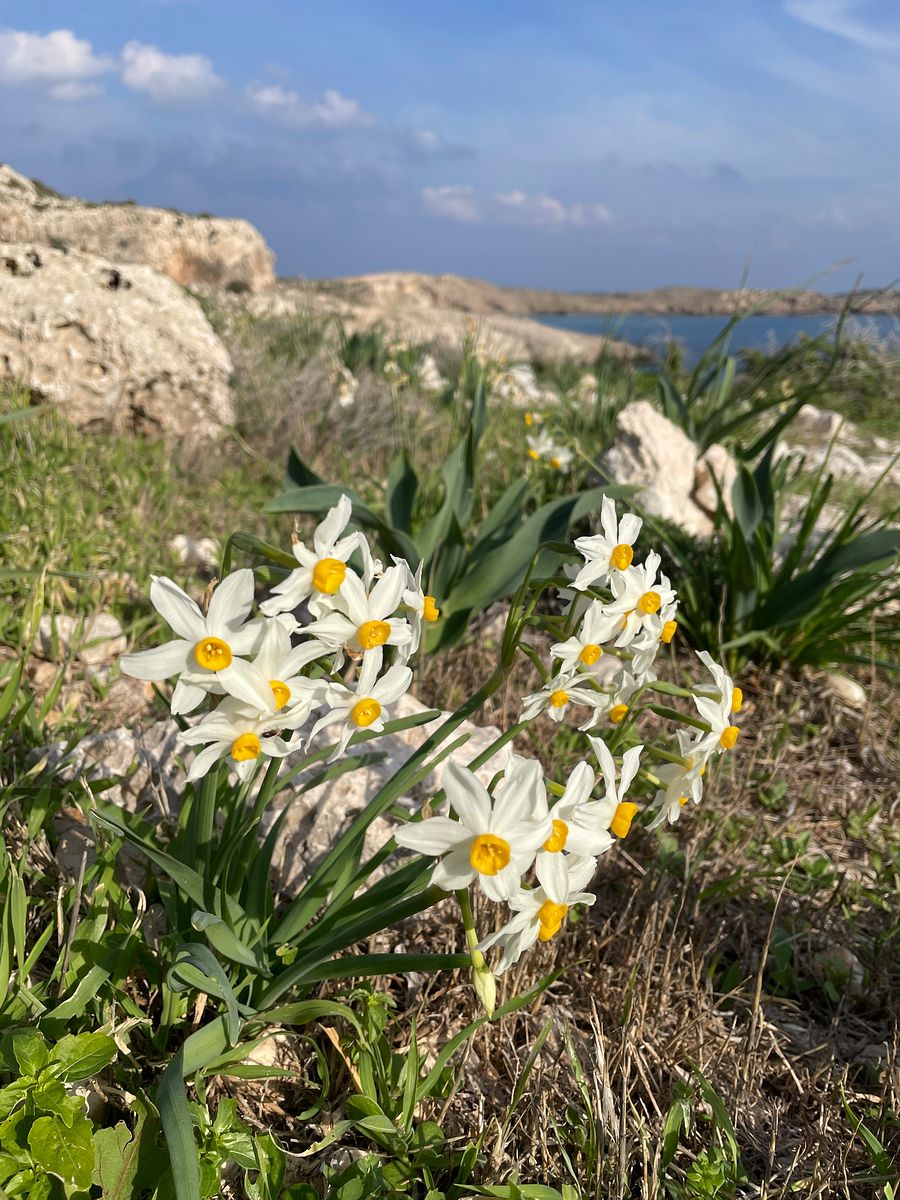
(672, 714)
(658, 752)
(482, 976)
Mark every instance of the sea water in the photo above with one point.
(694, 333)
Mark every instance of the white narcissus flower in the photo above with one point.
(580, 825)
(540, 445)
(718, 713)
(556, 696)
(206, 654)
(541, 911)
(271, 682)
(241, 735)
(616, 813)
(363, 707)
(361, 620)
(493, 842)
(582, 651)
(638, 599)
(610, 551)
(683, 782)
(422, 607)
(560, 457)
(323, 568)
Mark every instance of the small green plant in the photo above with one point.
(791, 592)
(46, 1140)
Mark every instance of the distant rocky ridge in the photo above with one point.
(407, 289)
(191, 250)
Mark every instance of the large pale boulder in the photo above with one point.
(119, 345)
(189, 249)
(651, 453)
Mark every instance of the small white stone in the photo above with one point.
(847, 689)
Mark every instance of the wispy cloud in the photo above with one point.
(168, 78)
(58, 59)
(540, 209)
(838, 17)
(456, 202)
(330, 111)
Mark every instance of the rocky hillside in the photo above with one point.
(191, 250)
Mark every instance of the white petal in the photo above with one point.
(386, 594)
(160, 663)
(631, 761)
(248, 638)
(231, 602)
(186, 696)
(455, 871)
(519, 794)
(468, 797)
(243, 681)
(502, 885)
(395, 684)
(434, 836)
(177, 609)
(553, 876)
(207, 758)
(334, 524)
(629, 528)
(581, 872)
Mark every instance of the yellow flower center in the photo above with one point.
(213, 654)
(559, 699)
(668, 631)
(529, 419)
(533, 454)
(589, 654)
(365, 711)
(649, 603)
(373, 633)
(430, 612)
(245, 747)
(621, 822)
(328, 575)
(682, 800)
(622, 556)
(557, 839)
(551, 917)
(280, 691)
(617, 713)
(555, 462)
(729, 737)
(489, 854)
(737, 699)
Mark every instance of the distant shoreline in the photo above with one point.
(458, 293)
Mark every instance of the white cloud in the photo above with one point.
(590, 214)
(168, 78)
(51, 58)
(537, 209)
(540, 209)
(837, 17)
(455, 202)
(74, 89)
(330, 111)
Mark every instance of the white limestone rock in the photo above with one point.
(121, 346)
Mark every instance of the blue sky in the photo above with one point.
(575, 144)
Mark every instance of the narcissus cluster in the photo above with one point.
(332, 649)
